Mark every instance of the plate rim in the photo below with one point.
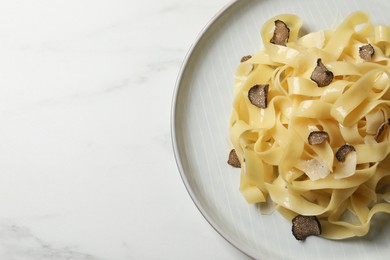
(174, 137)
(177, 139)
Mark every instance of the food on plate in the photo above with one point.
(343, 151)
(258, 95)
(245, 58)
(233, 159)
(321, 75)
(304, 226)
(366, 52)
(281, 33)
(310, 124)
(317, 137)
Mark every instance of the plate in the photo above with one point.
(200, 114)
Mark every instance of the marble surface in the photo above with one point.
(86, 164)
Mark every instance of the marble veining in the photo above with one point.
(86, 164)
(18, 242)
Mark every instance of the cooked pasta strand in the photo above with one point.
(272, 145)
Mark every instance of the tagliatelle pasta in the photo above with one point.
(349, 111)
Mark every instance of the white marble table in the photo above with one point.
(86, 164)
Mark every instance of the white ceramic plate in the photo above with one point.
(200, 114)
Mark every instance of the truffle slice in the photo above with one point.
(347, 167)
(343, 151)
(233, 159)
(304, 226)
(281, 33)
(321, 75)
(317, 137)
(366, 52)
(245, 58)
(380, 131)
(258, 95)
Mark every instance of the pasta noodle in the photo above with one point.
(277, 161)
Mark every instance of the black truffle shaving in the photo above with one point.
(304, 226)
(317, 137)
(380, 131)
(366, 52)
(245, 58)
(343, 151)
(233, 159)
(258, 95)
(281, 33)
(321, 75)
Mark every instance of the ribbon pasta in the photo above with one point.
(272, 143)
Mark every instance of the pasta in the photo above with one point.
(272, 144)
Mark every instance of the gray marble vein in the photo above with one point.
(86, 163)
(19, 243)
